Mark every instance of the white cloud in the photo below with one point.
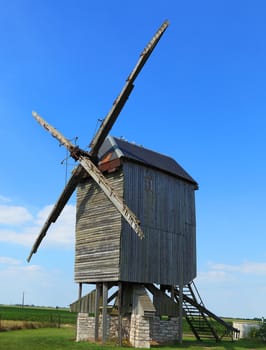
(4, 199)
(220, 274)
(19, 226)
(226, 288)
(17, 267)
(4, 260)
(14, 215)
(214, 276)
(63, 230)
(254, 268)
(14, 267)
(22, 236)
(248, 267)
(39, 285)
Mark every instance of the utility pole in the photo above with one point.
(23, 296)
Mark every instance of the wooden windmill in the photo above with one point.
(135, 223)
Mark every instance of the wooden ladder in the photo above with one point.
(202, 322)
(197, 320)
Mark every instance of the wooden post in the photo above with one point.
(79, 297)
(104, 312)
(97, 305)
(80, 290)
(173, 292)
(181, 283)
(120, 338)
(180, 330)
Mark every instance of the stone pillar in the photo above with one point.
(139, 331)
(164, 331)
(82, 327)
(142, 312)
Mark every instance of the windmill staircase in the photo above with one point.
(203, 323)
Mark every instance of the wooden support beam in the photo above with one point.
(181, 286)
(180, 306)
(80, 290)
(120, 336)
(79, 297)
(97, 305)
(104, 312)
(172, 292)
(111, 298)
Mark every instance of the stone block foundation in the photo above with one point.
(139, 330)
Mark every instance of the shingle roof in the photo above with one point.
(124, 149)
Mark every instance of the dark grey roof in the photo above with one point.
(122, 148)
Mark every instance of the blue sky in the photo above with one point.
(200, 99)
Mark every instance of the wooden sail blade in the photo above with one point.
(58, 207)
(94, 172)
(98, 177)
(54, 132)
(110, 119)
(120, 101)
(147, 51)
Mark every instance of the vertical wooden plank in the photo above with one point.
(120, 313)
(104, 312)
(181, 282)
(79, 298)
(80, 290)
(180, 329)
(97, 304)
(165, 207)
(172, 292)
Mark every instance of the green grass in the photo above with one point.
(37, 314)
(64, 339)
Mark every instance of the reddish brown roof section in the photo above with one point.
(109, 165)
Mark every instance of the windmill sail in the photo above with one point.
(98, 177)
(57, 209)
(125, 92)
(96, 174)
(94, 148)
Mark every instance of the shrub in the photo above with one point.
(261, 332)
(258, 332)
(253, 333)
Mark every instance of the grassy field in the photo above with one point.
(39, 330)
(63, 338)
(28, 317)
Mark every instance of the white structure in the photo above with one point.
(244, 329)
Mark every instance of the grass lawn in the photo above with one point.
(53, 338)
(64, 339)
(37, 314)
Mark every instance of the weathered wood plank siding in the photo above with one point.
(86, 304)
(165, 206)
(98, 228)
